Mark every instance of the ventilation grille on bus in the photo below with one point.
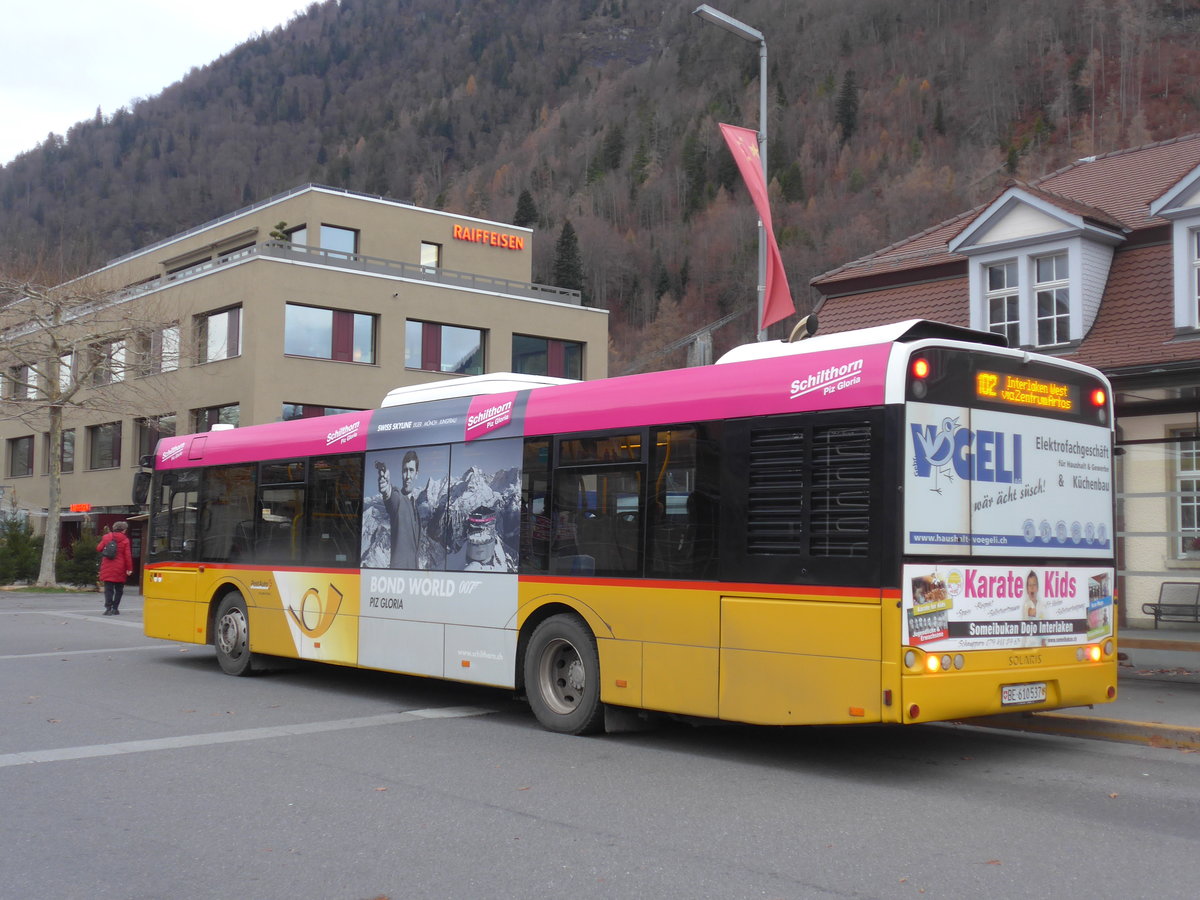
(810, 491)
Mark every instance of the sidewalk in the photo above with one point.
(1158, 695)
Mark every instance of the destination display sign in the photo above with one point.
(1021, 390)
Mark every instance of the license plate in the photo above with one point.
(1018, 694)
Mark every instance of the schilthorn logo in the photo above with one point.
(834, 378)
(343, 434)
(952, 449)
(173, 452)
(490, 418)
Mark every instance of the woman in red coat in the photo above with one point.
(114, 571)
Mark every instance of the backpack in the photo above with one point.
(110, 549)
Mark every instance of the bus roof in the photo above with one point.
(839, 371)
(470, 386)
(896, 332)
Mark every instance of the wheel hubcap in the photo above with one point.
(232, 633)
(562, 677)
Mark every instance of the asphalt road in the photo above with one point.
(132, 768)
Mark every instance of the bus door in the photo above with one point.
(169, 586)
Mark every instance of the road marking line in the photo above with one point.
(180, 742)
(94, 617)
(79, 652)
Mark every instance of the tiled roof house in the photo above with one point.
(1098, 262)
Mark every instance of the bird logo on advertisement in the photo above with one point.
(935, 449)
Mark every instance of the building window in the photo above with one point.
(20, 456)
(156, 352)
(1187, 494)
(238, 252)
(1195, 260)
(311, 411)
(108, 361)
(218, 335)
(21, 383)
(1004, 301)
(340, 241)
(104, 446)
(151, 430)
(194, 262)
(66, 371)
(205, 419)
(443, 348)
(1053, 298)
(431, 255)
(545, 356)
(329, 334)
(66, 456)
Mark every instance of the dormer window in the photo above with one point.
(1039, 263)
(1196, 273)
(1004, 301)
(1053, 297)
(1028, 299)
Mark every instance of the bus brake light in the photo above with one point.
(920, 367)
(1099, 397)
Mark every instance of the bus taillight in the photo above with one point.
(1099, 397)
(920, 367)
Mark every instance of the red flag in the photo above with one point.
(743, 144)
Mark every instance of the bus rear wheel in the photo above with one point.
(562, 676)
(232, 636)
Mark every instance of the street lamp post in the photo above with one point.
(753, 35)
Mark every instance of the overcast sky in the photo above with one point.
(60, 59)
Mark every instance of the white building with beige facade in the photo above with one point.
(315, 301)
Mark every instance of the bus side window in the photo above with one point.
(535, 506)
(174, 501)
(685, 493)
(335, 497)
(227, 514)
(281, 523)
(597, 521)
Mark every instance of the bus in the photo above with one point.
(902, 524)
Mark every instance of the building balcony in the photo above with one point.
(374, 265)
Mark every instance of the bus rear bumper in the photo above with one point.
(939, 696)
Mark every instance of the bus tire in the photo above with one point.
(231, 636)
(562, 676)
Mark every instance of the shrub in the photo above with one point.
(80, 563)
(20, 552)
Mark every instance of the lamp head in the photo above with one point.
(729, 23)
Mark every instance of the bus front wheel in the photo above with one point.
(232, 635)
(562, 676)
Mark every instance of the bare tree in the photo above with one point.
(73, 347)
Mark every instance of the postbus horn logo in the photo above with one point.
(316, 616)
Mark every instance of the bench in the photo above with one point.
(1178, 601)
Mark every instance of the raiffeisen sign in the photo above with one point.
(491, 238)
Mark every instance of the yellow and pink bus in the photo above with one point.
(902, 524)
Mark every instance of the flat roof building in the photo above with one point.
(315, 301)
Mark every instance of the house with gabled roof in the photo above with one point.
(1098, 262)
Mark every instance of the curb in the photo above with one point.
(1150, 734)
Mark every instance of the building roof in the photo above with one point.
(1115, 190)
(920, 276)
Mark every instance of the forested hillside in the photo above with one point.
(885, 118)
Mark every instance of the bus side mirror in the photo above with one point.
(141, 488)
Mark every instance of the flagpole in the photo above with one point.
(753, 35)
